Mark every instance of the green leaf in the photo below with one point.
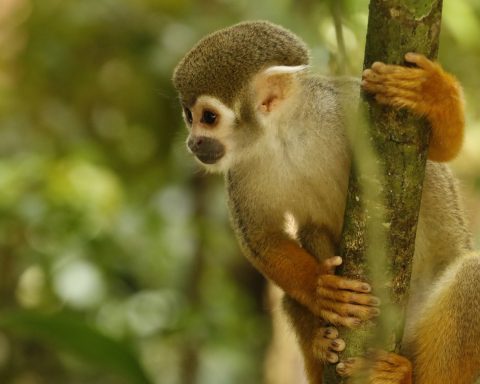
(78, 338)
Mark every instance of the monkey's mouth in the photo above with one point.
(209, 157)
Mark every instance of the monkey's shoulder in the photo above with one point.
(327, 94)
(346, 86)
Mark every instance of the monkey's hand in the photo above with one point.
(379, 368)
(427, 90)
(341, 301)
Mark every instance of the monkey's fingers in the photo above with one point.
(400, 72)
(379, 84)
(406, 80)
(361, 312)
(344, 302)
(339, 282)
(326, 344)
(383, 68)
(424, 68)
(421, 61)
(404, 74)
(344, 296)
(396, 70)
(399, 94)
(393, 90)
(336, 319)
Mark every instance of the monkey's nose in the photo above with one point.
(195, 143)
(208, 150)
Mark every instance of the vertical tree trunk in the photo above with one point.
(386, 183)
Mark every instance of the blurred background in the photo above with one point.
(117, 262)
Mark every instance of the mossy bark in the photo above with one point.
(382, 207)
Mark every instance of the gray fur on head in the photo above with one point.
(222, 63)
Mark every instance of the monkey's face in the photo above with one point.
(210, 124)
(220, 135)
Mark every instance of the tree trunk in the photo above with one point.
(386, 182)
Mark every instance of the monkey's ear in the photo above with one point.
(274, 85)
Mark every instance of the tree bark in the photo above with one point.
(386, 181)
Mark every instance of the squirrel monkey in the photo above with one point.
(277, 132)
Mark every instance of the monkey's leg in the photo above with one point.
(305, 324)
(426, 90)
(319, 343)
(445, 342)
(380, 368)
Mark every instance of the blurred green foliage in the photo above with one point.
(117, 263)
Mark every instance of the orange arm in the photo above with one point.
(426, 90)
(337, 300)
(443, 104)
(293, 269)
(311, 282)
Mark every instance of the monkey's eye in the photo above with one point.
(209, 117)
(188, 115)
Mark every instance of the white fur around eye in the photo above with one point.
(223, 131)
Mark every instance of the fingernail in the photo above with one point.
(340, 367)
(375, 312)
(335, 344)
(332, 358)
(375, 301)
(328, 332)
(366, 287)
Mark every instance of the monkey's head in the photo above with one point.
(230, 85)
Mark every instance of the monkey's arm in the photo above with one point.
(338, 300)
(301, 276)
(426, 90)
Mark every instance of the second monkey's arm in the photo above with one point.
(426, 90)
